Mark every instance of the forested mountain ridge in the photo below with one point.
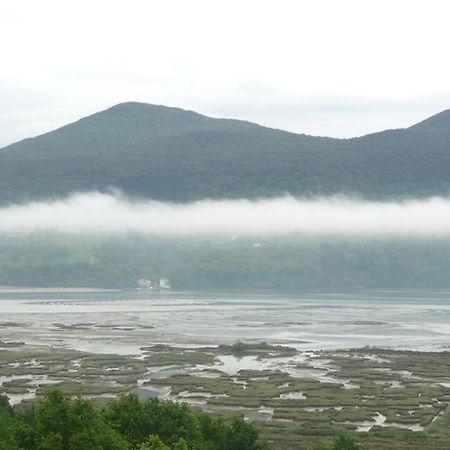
(171, 154)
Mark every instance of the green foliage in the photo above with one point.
(176, 425)
(241, 436)
(153, 443)
(51, 442)
(7, 431)
(442, 422)
(57, 422)
(193, 263)
(136, 420)
(238, 348)
(61, 423)
(171, 154)
(342, 441)
(181, 445)
(5, 405)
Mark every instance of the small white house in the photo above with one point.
(145, 283)
(164, 283)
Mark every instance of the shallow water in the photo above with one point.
(122, 322)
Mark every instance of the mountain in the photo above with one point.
(171, 154)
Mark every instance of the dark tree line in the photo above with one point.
(58, 422)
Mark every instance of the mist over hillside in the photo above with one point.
(171, 154)
(145, 191)
(193, 262)
(114, 213)
(106, 240)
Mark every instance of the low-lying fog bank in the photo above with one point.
(98, 212)
(108, 241)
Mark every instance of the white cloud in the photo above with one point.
(95, 212)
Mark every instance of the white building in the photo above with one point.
(145, 283)
(164, 283)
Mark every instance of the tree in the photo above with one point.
(181, 445)
(242, 435)
(59, 423)
(136, 420)
(342, 441)
(153, 443)
(5, 405)
(7, 431)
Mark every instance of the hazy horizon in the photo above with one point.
(321, 68)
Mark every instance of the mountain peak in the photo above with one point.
(142, 115)
(164, 153)
(146, 108)
(437, 122)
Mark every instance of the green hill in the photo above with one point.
(172, 154)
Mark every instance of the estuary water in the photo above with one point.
(125, 321)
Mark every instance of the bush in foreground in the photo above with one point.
(58, 422)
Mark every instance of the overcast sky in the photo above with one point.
(323, 67)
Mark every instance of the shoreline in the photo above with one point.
(45, 290)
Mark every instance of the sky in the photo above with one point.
(324, 67)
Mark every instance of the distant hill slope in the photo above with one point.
(172, 154)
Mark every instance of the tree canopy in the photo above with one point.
(170, 154)
(57, 422)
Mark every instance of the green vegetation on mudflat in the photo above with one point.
(179, 358)
(261, 349)
(401, 397)
(392, 399)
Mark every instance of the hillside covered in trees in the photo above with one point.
(283, 262)
(176, 155)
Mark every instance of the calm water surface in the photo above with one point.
(122, 322)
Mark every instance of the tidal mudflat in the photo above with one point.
(300, 364)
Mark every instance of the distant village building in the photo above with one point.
(145, 283)
(164, 283)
